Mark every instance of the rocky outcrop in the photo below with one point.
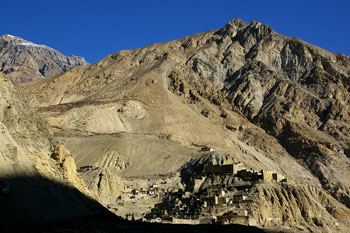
(103, 183)
(38, 178)
(297, 93)
(24, 61)
(295, 206)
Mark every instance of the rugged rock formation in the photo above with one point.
(274, 102)
(272, 202)
(24, 61)
(38, 178)
(296, 92)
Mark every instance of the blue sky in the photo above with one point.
(94, 29)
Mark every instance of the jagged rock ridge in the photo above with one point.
(24, 61)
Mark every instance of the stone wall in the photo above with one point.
(219, 169)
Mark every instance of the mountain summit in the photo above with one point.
(24, 61)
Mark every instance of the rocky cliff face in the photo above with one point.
(296, 92)
(273, 102)
(38, 178)
(24, 61)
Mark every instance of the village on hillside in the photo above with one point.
(219, 194)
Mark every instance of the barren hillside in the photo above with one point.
(270, 101)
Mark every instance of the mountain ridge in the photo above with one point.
(24, 61)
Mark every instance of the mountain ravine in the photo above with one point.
(141, 118)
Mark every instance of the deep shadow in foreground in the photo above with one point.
(36, 204)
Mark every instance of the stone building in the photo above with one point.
(248, 174)
(266, 175)
(239, 212)
(239, 197)
(185, 221)
(211, 169)
(277, 177)
(237, 167)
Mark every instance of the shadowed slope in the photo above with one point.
(29, 201)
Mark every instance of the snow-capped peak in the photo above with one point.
(8, 35)
(29, 44)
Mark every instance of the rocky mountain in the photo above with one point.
(24, 61)
(267, 100)
(40, 189)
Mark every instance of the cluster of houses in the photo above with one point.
(238, 170)
(205, 202)
(210, 205)
(152, 190)
(220, 193)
